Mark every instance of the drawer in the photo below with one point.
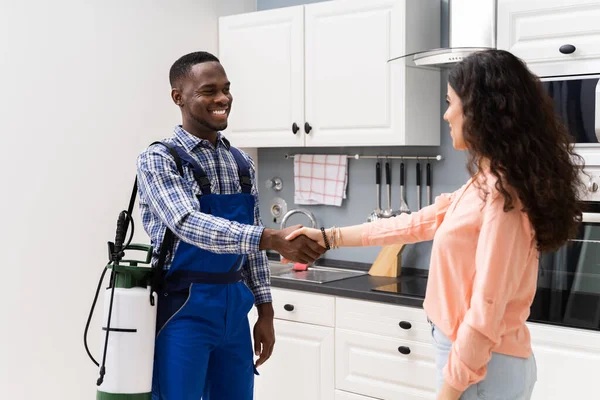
(373, 366)
(310, 308)
(535, 30)
(395, 321)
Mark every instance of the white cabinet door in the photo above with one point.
(353, 95)
(301, 366)
(341, 395)
(535, 30)
(263, 56)
(567, 362)
(374, 366)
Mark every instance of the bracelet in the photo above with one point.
(325, 239)
(334, 244)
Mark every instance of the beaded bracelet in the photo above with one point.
(325, 238)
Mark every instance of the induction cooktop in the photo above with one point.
(407, 286)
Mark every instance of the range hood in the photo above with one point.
(471, 27)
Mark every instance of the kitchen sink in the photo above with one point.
(315, 274)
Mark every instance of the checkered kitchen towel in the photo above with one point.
(320, 179)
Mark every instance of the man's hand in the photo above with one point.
(264, 333)
(301, 249)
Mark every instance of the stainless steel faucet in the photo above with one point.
(304, 211)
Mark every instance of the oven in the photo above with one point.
(568, 291)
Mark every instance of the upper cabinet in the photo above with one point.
(263, 56)
(554, 37)
(318, 75)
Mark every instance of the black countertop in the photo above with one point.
(406, 290)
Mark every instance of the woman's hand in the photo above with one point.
(448, 393)
(311, 233)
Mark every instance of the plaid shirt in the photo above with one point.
(167, 198)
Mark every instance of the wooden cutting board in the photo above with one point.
(388, 261)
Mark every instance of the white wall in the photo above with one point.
(84, 89)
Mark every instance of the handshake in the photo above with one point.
(295, 243)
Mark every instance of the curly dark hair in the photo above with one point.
(509, 119)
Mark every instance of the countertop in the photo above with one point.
(409, 288)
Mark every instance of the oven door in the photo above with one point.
(568, 291)
(577, 101)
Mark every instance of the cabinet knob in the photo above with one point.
(592, 186)
(567, 49)
(307, 128)
(404, 350)
(405, 325)
(288, 307)
(295, 128)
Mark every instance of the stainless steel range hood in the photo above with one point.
(471, 26)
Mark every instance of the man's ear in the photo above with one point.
(176, 96)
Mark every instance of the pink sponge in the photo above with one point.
(300, 267)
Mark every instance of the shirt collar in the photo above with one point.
(190, 142)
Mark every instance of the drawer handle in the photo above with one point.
(405, 325)
(567, 49)
(404, 350)
(288, 307)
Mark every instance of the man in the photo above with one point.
(203, 347)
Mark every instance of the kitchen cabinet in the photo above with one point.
(389, 355)
(330, 347)
(341, 395)
(567, 362)
(302, 364)
(317, 75)
(554, 37)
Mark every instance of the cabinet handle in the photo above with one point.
(405, 325)
(567, 49)
(288, 307)
(404, 350)
(295, 128)
(307, 128)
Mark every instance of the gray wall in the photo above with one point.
(447, 175)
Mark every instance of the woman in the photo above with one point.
(521, 199)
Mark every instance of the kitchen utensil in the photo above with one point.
(418, 185)
(374, 216)
(428, 182)
(387, 213)
(403, 206)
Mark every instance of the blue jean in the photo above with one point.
(507, 377)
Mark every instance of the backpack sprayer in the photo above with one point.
(129, 323)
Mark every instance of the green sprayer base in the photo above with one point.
(123, 396)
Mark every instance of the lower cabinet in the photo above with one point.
(384, 367)
(302, 364)
(567, 361)
(341, 395)
(332, 348)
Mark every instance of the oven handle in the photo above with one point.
(591, 217)
(597, 123)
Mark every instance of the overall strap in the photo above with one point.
(199, 173)
(168, 239)
(243, 170)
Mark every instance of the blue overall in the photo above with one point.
(203, 347)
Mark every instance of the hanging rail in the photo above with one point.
(358, 157)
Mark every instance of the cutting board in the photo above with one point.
(388, 261)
